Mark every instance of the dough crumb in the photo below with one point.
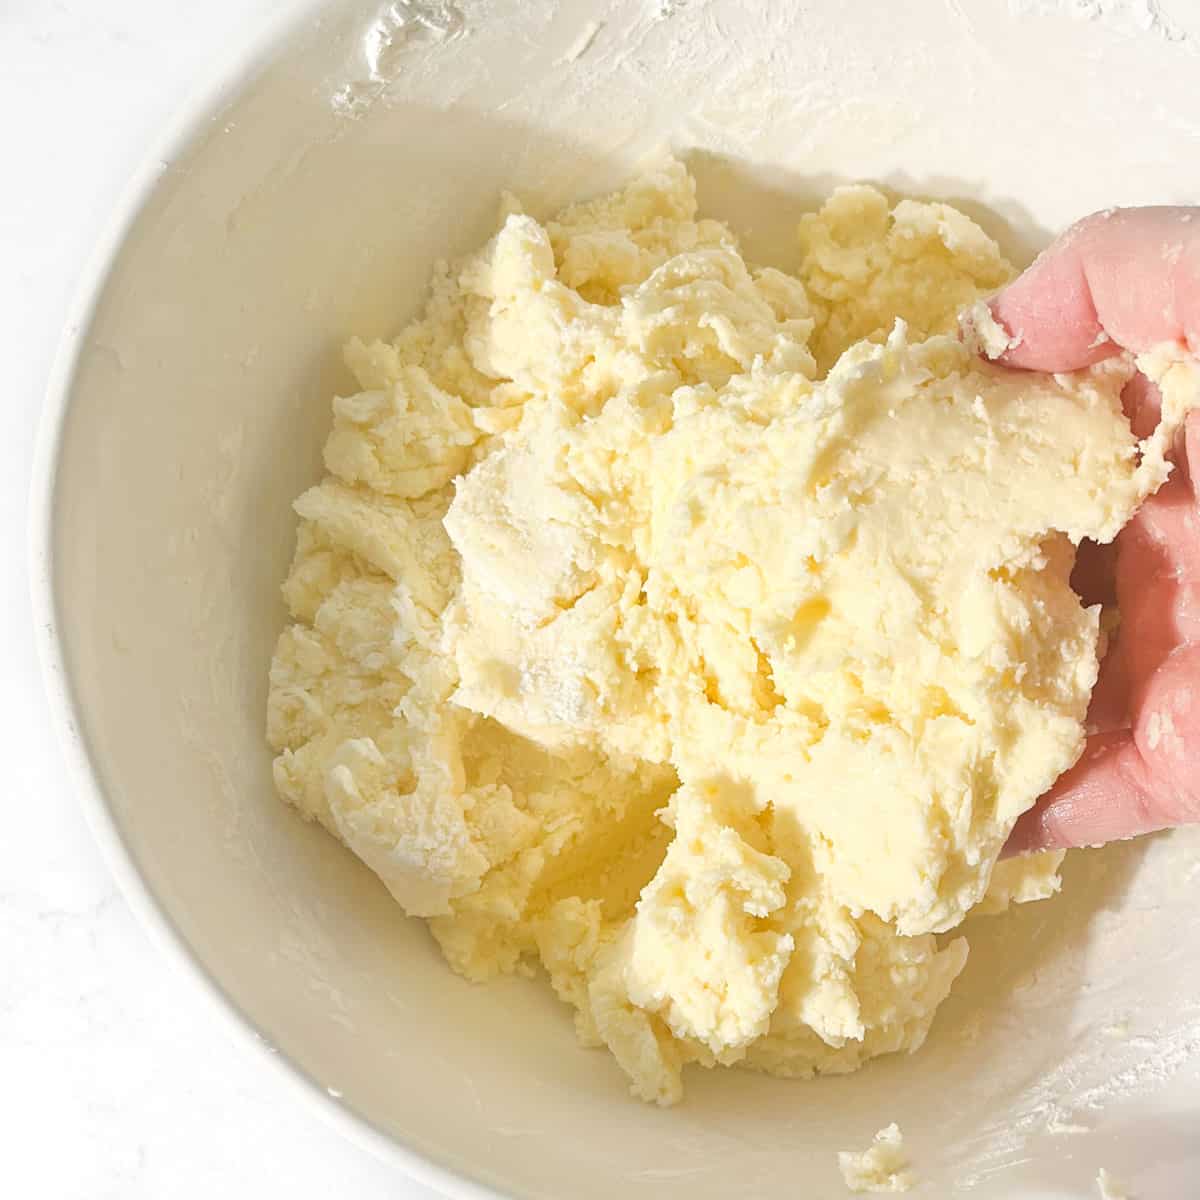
(884, 1167)
(1109, 1188)
(983, 334)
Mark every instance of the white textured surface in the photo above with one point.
(117, 1082)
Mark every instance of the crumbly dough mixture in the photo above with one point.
(697, 630)
(883, 1167)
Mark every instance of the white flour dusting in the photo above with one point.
(1109, 1188)
(1122, 16)
(395, 26)
(579, 47)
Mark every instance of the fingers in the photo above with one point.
(1189, 460)
(1105, 796)
(1166, 732)
(1128, 782)
(1125, 278)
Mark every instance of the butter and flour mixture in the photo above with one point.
(697, 630)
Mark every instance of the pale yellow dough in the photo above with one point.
(883, 1167)
(652, 625)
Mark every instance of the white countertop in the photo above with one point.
(117, 1083)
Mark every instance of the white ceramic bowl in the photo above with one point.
(307, 201)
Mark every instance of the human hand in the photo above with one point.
(1126, 279)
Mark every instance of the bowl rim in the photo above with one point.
(258, 45)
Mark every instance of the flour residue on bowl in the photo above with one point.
(397, 25)
(1111, 1058)
(1121, 16)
